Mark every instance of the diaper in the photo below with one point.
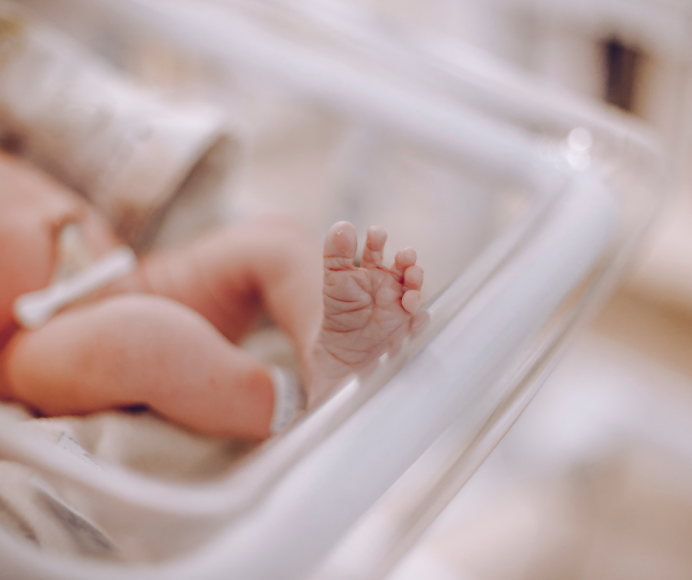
(77, 274)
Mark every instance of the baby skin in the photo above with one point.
(166, 335)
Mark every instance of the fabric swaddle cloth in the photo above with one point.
(125, 149)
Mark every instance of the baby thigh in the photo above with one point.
(141, 349)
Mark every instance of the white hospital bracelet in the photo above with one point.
(288, 398)
(35, 308)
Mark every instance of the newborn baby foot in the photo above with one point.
(365, 307)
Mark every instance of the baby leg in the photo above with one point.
(339, 316)
(228, 275)
(140, 349)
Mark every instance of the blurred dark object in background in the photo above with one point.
(622, 72)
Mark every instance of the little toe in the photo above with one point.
(403, 259)
(374, 245)
(411, 301)
(419, 321)
(413, 277)
(340, 246)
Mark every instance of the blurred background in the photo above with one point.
(594, 481)
(595, 478)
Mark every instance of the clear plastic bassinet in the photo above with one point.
(524, 205)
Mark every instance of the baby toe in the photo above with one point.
(403, 259)
(411, 301)
(374, 245)
(413, 277)
(340, 246)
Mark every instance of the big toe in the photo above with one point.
(340, 246)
